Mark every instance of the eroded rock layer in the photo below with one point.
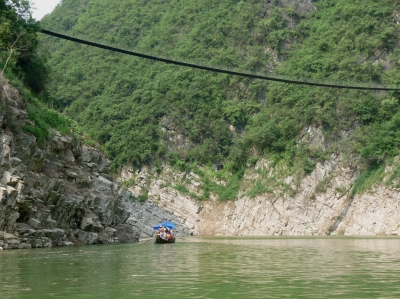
(322, 204)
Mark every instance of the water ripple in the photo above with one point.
(208, 268)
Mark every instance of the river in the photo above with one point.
(275, 267)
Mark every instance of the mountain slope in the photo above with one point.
(146, 112)
(191, 102)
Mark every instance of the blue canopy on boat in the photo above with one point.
(164, 224)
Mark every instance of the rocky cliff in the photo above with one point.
(164, 203)
(321, 205)
(59, 193)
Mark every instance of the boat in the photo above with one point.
(165, 233)
(162, 241)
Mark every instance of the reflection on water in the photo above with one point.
(208, 268)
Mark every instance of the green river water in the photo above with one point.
(329, 267)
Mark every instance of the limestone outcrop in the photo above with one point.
(164, 202)
(59, 193)
(322, 204)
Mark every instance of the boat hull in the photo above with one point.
(158, 240)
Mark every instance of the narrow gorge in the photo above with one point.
(216, 154)
(63, 194)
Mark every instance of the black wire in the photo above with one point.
(206, 68)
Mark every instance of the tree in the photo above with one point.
(18, 43)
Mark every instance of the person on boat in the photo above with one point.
(168, 233)
(163, 234)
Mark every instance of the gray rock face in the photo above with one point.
(164, 204)
(320, 206)
(145, 215)
(58, 194)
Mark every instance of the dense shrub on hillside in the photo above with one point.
(123, 101)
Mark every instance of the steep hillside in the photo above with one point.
(148, 113)
(134, 106)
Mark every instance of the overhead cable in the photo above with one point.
(363, 86)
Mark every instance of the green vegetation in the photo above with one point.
(44, 118)
(322, 185)
(394, 178)
(24, 66)
(259, 188)
(122, 100)
(140, 198)
(131, 106)
(18, 44)
(367, 178)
